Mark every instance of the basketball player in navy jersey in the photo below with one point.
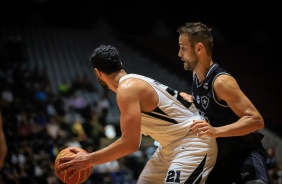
(150, 108)
(231, 117)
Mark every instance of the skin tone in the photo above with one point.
(226, 88)
(133, 96)
(3, 145)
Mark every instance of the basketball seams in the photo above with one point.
(65, 174)
(80, 177)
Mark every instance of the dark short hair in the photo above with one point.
(198, 32)
(106, 59)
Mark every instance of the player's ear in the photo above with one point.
(97, 72)
(199, 47)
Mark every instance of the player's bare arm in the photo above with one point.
(227, 89)
(128, 101)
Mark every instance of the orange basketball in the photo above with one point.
(79, 177)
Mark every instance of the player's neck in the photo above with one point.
(202, 69)
(114, 79)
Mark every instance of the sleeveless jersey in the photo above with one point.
(170, 121)
(218, 113)
(181, 156)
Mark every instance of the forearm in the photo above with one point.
(114, 151)
(243, 126)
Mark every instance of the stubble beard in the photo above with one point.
(103, 84)
(190, 65)
(186, 66)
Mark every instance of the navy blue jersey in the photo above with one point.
(218, 113)
(232, 151)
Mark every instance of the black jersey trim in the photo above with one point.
(184, 102)
(196, 176)
(159, 111)
(212, 68)
(213, 93)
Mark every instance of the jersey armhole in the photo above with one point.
(213, 92)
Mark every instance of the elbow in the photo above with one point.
(260, 122)
(133, 146)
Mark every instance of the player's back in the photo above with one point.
(170, 120)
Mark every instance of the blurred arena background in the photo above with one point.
(51, 99)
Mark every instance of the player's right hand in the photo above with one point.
(202, 128)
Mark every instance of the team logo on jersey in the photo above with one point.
(206, 85)
(205, 101)
(198, 99)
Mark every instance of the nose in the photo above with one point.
(179, 54)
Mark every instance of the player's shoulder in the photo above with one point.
(225, 82)
(222, 77)
(129, 83)
(131, 86)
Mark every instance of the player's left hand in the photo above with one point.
(202, 128)
(186, 97)
(74, 163)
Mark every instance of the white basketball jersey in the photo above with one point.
(170, 121)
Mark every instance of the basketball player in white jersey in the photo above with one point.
(150, 108)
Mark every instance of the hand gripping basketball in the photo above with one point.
(78, 177)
